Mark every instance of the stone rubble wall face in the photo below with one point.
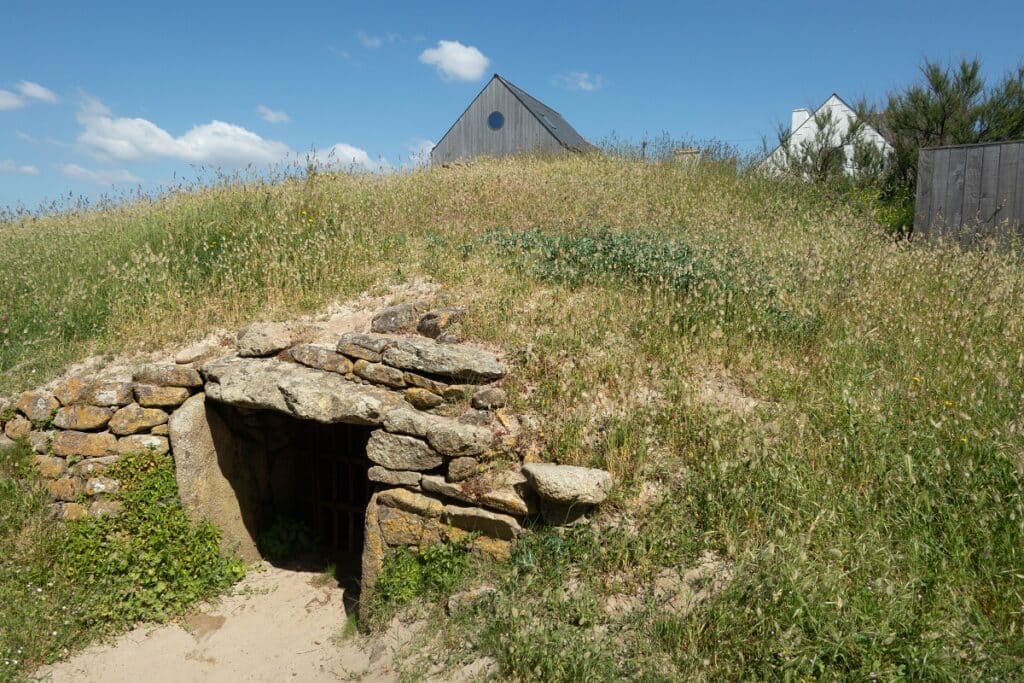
(445, 460)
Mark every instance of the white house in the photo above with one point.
(803, 129)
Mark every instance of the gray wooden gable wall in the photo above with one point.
(471, 136)
(970, 190)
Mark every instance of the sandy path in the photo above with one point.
(282, 626)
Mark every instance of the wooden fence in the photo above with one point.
(970, 190)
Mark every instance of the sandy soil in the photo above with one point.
(279, 626)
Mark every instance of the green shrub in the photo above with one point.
(152, 560)
(430, 571)
(634, 257)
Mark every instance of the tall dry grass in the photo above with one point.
(837, 414)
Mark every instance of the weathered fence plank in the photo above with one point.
(989, 184)
(1005, 182)
(970, 189)
(955, 186)
(940, 178)
(972, 184)
(923, 200)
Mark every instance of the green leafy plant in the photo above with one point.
(286, 540)
(430, 571)
(151, 561)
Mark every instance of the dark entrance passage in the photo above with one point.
(340, 490)
(302, 488)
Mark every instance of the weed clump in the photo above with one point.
(151, 561)
(431, 571)
(62, 585)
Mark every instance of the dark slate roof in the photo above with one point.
(550, 119)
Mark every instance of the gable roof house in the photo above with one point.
(504, 119)
(803, 130)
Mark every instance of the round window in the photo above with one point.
(496, 120)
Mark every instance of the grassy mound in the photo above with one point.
(835, 416)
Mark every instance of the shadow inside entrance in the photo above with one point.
(302, 490)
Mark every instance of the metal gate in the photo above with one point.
(340, 488)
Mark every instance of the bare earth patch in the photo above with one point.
(279, 625)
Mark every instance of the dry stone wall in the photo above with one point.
(446, 455)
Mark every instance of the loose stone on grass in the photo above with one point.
(197, 352)
(489, 398)
(567, 492)
(71, 512)
(464, 600)
(398, 319)
(435, 323)
(106, 508)
(264, 339)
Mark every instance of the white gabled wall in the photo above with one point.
(803, 128)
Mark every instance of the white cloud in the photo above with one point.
(26, 137)
(9, 100)
(372, 42)
(455, 61)
(134, 139)
(272, 115)
(9, 166)
(34, 91)
(419, 153)
(27, 90)
(102, 177)
(346, 157)
(369, 41)
(580, 80)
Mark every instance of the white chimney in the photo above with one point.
(799, 116)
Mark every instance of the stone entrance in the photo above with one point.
(299, 474)
(396, 437)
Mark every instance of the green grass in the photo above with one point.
(868, 497)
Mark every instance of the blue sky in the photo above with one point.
(102, 97)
